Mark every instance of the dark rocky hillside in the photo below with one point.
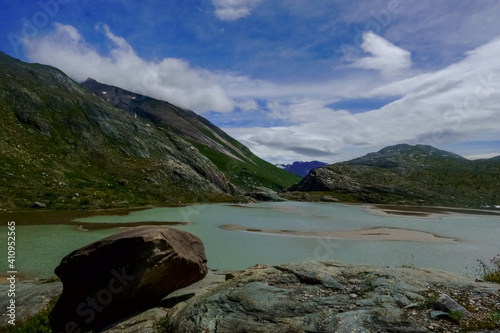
(62, 147)
(236, 161)
(404, 174)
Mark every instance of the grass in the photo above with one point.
(487, 321)
(490, 271)
(162, 325)
(456, 315)
(429, 302)
(38, 323)
(251, 172)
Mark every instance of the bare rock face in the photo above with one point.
(328, 297)
(119, 274)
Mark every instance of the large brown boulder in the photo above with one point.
(113, 277)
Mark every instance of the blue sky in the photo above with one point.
(293, 80)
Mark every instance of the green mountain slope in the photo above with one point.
(65, 148)
(238, 163)
(405, 174)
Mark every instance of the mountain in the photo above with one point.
(301, 168)
(63, 147)
(235, 160)
(404, 174)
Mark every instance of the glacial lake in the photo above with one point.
(41, 248)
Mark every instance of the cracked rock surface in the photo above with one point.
(321, 297)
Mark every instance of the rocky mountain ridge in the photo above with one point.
(62, 147)
(410, 175)
(236, 161)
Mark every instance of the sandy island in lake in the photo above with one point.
(372, 234)
(425, 211)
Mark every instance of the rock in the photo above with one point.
(327, 198)
(146, 321)
(38, 204)
(232, 275)
(143, 322)
(123, 273)
(314, 297)
(123, 182)
(447, 304)
(31, 298)
(264, 194)
(439, 315)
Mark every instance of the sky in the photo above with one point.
(294, 80)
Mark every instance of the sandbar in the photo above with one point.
(433, 212)
(372, 234)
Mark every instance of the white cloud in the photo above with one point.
(168, 79)
(247, 105)
(231, 10)
(387, 58)
(445, 108)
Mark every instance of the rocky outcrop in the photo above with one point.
(310, 297)
(119, 274)
(408, 175)
(150, 321)
(264, 194)
(31, 298)
(327, 297)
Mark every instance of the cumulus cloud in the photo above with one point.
(385, 57)
(231, 10)
(169, 79)
(445, 108)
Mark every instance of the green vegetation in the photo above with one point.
(38, 323)
(490, 271)
(250, 172)
(162, 325)
(66, 148)
(411, 175)
(456, 315)
(429, 302)
(487, 321)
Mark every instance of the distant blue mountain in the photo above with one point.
(301, 168)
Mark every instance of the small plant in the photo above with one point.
(487, 321)
(456, 315)
(490, 271)
(162, 325)
(429, 302)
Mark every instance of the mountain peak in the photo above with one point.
(105, 147)
(403, 154)
(416, 150)
(301, 168)
(405, 174)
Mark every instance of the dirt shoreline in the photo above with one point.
(372, 234)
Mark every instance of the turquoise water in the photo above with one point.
(40, 248)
